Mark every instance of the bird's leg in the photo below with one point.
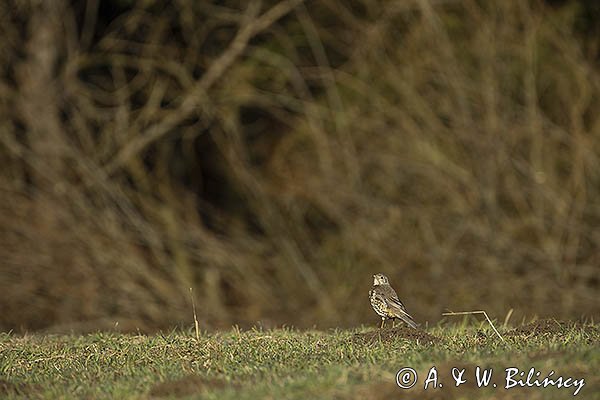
(393, 323)
(382, 322)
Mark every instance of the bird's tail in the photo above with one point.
(400, 312)
(409, 321)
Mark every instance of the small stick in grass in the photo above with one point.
(507, 317)
(477, 312)
(196, 326)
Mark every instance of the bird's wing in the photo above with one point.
(394, 296)
(391, 294)
(396, 306)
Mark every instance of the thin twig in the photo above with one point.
(477, 312)
(196, 325)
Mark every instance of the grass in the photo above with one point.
(286, 363)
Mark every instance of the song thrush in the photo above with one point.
(385, 302)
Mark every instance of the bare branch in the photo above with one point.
(194, 97)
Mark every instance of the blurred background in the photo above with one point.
(273, 155)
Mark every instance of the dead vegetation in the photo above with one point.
(273, 155)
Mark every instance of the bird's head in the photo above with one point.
(380, 279)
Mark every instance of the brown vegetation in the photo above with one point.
(186, 386)
(20, 389)
(273, 155)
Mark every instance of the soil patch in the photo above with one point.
(548, 327)
(22, 389)
(186, 386)
(389, 335)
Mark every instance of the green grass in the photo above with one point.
(285, 363)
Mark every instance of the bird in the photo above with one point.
(385, 302)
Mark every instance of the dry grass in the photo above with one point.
(274, 157)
